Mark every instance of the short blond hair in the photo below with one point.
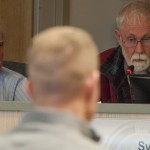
(60, 58)
(136, 8)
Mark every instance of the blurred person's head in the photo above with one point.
(133, 33)
(63, 71)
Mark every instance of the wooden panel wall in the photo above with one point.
(16, 17)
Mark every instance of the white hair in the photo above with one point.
(136, 8)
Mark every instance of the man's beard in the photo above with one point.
(141, 62)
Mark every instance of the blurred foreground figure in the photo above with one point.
(64, 85)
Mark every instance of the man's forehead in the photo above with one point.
(136, 27)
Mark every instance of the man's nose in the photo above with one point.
(139, 48)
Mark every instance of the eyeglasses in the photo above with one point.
(130, 43)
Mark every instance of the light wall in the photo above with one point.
(98, 17)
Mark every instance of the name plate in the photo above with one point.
(123, 134)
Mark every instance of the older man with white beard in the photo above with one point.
(133, 36)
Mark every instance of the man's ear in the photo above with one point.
(92, 84)
(118, 36)
(28, 88)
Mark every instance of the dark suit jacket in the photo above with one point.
(114, 84)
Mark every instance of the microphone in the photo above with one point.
(129, 70)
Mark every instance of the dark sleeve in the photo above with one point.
(105, 90)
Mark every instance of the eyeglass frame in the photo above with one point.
(135, 42)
